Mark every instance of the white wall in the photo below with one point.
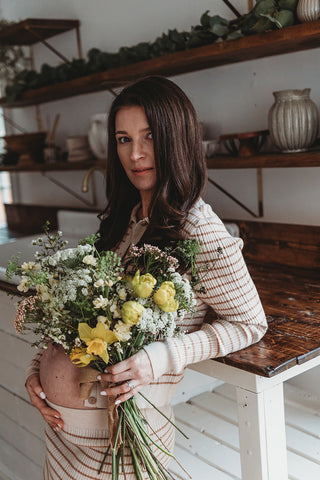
(228, 99)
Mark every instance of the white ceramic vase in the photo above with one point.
(293, 120)
(308, 10)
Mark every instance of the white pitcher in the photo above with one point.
(98, 135)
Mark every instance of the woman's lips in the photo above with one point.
(141, 171)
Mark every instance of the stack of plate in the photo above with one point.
(78, 148)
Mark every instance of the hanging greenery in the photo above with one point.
(266, 15)
(12, 59)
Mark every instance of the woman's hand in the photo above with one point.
(130, 376)
(37, 396)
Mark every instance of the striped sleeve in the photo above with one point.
(230, 292)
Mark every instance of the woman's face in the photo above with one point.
(135, 149)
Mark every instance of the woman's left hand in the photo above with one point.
(129, 377)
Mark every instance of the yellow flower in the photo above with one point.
(131, 312)
(80, 357)
(143, 285)
(97, 339)
(164, 297)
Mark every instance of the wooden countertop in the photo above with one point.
(291, 299)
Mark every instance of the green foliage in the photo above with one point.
(266, 15)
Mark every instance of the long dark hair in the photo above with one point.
(179, 160)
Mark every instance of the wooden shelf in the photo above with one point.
(218, 162)
(290, 39)
(50, 167)
(29, 31)
(266, 160)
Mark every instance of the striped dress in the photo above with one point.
(75, 452)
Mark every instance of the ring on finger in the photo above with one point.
(131, 385)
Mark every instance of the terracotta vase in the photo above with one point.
(308, 10)
(293, 120)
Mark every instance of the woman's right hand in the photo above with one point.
(37, 396)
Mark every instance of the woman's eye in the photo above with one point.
(150, 136)
(123, 139)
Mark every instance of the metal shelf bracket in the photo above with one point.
(238, 202)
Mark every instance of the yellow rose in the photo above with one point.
(143, 286)
(164, 297)
(131, 312)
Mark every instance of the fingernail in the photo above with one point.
(99, 377)
(59, 425)
(105, 370)
(103, 393)
(117, 402)
(42, 395)
(56, 416)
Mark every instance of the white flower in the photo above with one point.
(89, 260)
(109, 283)
(123, 331)
(84, 291)
(99, 283)
(100, 302)
(30, 266)
(43, 293)
(23, 285)
(104, 320)
(122, 294)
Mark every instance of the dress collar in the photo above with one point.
(133, 217)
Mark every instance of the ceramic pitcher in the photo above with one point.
(293, 120)
(97, 135)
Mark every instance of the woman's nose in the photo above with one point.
(137, 151)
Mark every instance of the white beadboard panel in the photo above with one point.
(301, 468)
(10, 344)
(195, 467)
(13, 379)
(210, 451)
(22, 413)
(193, 383)
(16, 465)
(209, 425)
(217, 405)
(31, 446)
(302, 397)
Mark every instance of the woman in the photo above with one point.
(155, 175)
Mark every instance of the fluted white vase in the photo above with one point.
(308, 10)
(293, 120)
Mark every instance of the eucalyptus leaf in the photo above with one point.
(264, 7)
(272, 19)
(217, 20)
(205, 19)
(288, 4)
(219, 30)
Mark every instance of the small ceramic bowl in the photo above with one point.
(210, 147)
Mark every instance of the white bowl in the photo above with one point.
(210, 147)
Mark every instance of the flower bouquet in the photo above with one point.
(102, 313)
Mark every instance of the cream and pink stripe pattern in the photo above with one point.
(239, 321)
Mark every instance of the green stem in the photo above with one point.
(159, 411)
(104, 459)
